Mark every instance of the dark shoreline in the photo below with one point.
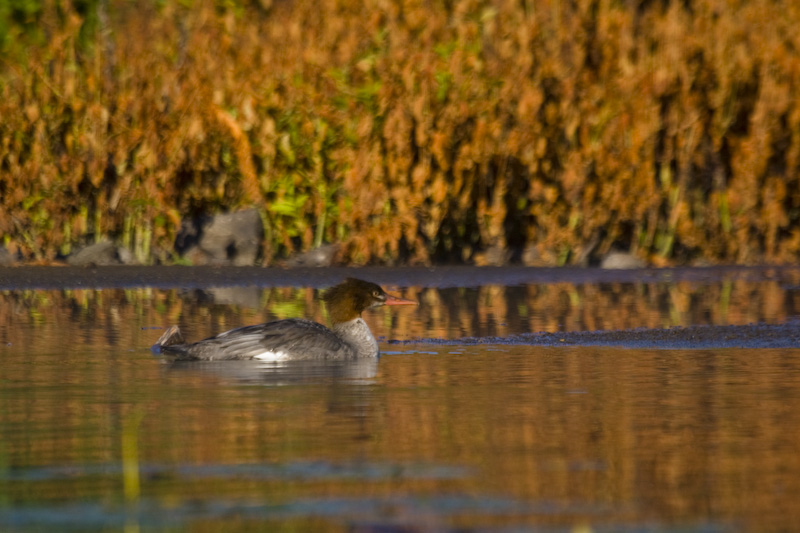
(167, 277)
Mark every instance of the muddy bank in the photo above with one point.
(678, 338)
(165, 277)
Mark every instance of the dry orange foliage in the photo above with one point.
(413, 131)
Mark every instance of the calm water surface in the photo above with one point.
(98, 434)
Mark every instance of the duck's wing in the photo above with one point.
(282, 340)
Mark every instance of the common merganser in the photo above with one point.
(294, 339)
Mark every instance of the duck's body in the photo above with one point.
(294, 339)
(281, 340)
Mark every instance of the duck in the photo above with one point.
(294, 339)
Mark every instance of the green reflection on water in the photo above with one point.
(130, 455)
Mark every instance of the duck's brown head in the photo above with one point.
(347, 300)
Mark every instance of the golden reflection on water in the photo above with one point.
(443, 313)
(606, 436)
(573, 435)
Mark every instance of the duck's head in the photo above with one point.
(347, 300)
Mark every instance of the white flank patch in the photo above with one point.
(272, 356)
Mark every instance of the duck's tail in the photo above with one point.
(170, 337)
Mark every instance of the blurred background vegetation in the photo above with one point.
(410, 132)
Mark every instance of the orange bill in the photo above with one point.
(394, 300)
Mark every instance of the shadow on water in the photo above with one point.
(359, 372)
(646, 401)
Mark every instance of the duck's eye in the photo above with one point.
(376, 294)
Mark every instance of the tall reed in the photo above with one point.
(410, 132)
